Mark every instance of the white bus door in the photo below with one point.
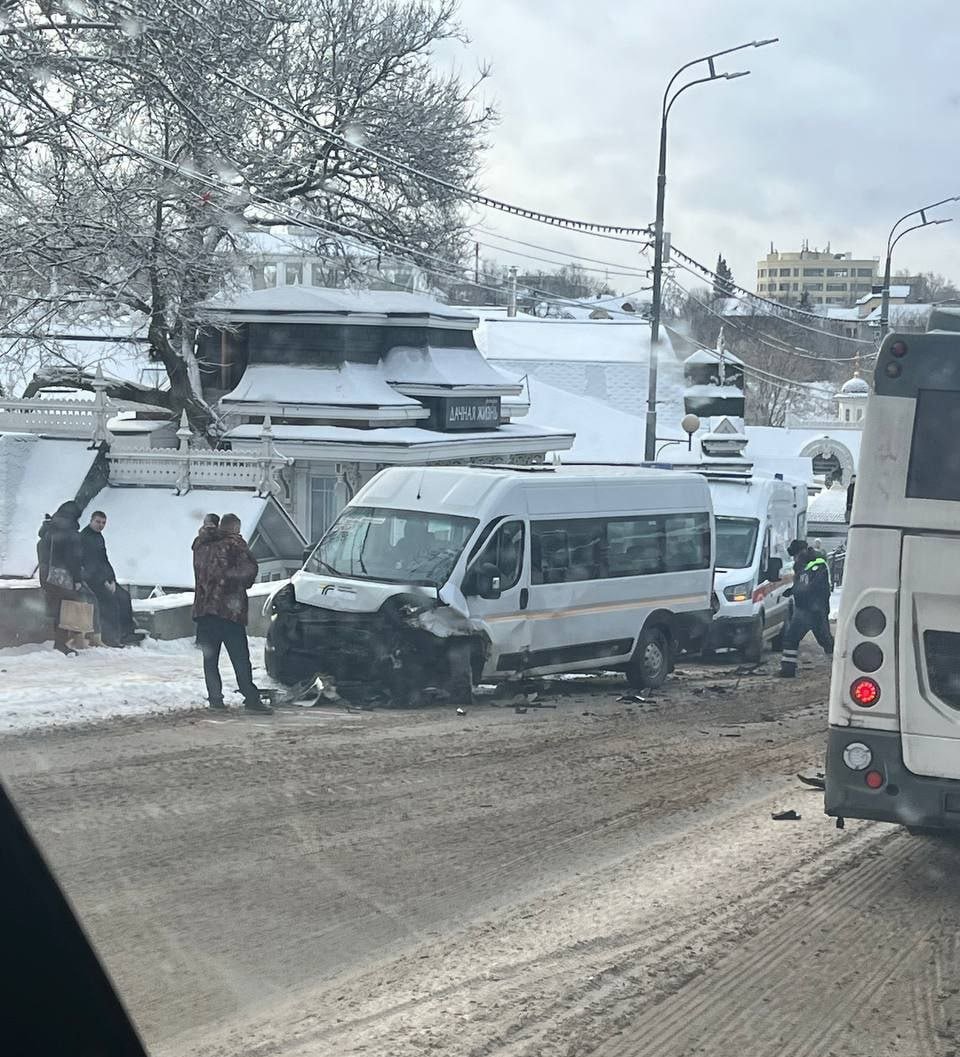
(930, 682)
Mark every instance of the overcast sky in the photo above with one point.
(846, 124)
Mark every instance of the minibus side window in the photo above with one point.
(688, 542)
(504, 550)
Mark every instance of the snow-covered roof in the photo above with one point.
(359, 385)
(165, 558)
(407, 443)
(895, 291)
(829, 506)
(711, 356)
(603, 434)
(37, 474)
(412, 368)
(901, 315)
(328, 301)
(570, 340)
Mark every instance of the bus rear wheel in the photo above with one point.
(650, 665)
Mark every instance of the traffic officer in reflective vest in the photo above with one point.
(811, 596)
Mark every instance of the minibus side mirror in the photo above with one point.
(774, 568)
(484, 581)
(307, 551)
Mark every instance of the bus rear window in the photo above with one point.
(934, 470)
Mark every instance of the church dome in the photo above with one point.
(856, 386)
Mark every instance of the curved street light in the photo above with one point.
(650, 438)
(891, 242)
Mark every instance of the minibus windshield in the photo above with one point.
(736, 539)
(377, 543)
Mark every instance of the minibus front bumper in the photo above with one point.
(884, 790)
(732, 632)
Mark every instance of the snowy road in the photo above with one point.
(600, 878)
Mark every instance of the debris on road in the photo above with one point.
(785, 816)
(461, 711)
(815, 781)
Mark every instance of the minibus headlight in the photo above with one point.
(739, 592)
(857, 756)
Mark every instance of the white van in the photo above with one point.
(448, 576)
(756, 518)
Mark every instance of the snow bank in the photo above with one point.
(150, 530)
(37, 474)
(40, 688)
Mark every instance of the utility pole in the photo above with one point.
(650, 435)
(476, 264)
(512, 303)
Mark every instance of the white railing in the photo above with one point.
(183, 468)
(82, 419)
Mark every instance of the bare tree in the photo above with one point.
(929, 287)
(137, 146)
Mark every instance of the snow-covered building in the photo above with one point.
(606, 360)
(351, 382)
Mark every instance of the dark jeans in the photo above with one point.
(116, 613)
(803, 621)
(214, 632)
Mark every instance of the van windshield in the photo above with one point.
(377, 543)
(736, 540)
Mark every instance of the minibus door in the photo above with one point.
(497, 594)
(929, 648)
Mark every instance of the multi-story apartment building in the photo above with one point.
(827, 278)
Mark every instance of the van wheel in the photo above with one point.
(752, 651)
(650, 664)
(460, 672)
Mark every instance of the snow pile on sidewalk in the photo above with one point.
(41, 688)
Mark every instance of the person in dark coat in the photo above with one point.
(811, 596)
(60, 564)
(116, 610)
(223, 569)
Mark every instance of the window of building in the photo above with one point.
(838, 273)
(813, 286)
(859, 414)
(796, 286)
(865, 273)
(293, 275)
(269, 276)
(323, 505)
(784, 271)
(762, 273)
(813, 271)
(846, 414)
(784, 286)
(836, 286)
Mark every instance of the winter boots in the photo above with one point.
(788, 664)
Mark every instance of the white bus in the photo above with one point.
(894, 736)
(446, 576)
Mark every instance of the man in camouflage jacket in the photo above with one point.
(224, 568)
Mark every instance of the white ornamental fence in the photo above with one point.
(185, 467)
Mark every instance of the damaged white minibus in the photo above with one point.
(448, 576)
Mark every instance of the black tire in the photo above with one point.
(460, 672)
(752, 651)
(650, 665)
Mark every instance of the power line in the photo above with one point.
(767, 339)
(749, 297)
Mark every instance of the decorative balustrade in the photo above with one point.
(83, 419)
(184, 467)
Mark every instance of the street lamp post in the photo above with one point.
(891, 242)
(650, 439)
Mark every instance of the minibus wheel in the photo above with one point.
(752, 651)
(650, 664)
(460, 672)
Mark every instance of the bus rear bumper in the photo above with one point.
(903, 797)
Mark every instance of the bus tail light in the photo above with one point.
(899, 349)
(874, 779)
(865, 692)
